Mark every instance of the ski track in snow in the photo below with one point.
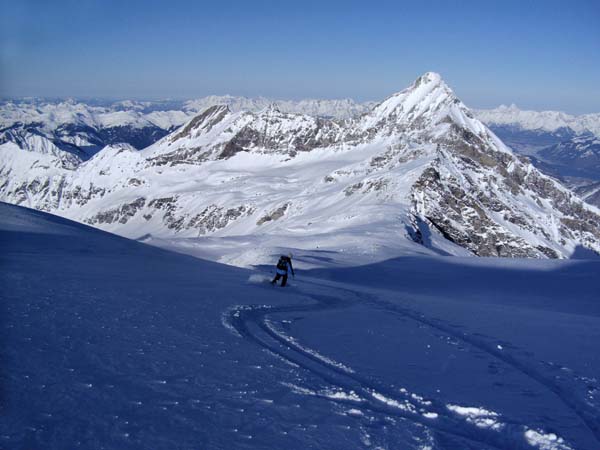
(586, 413)
(472, 424)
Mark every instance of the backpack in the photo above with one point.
(282, 264)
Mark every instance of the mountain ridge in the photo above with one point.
(550, 121)
(418, 167)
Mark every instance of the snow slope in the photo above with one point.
(116, 344)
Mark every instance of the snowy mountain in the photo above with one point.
(546, 121)
(339, 109)
(73, 129)
(577, 164)
(115, 344)
(581, 153)
(418, 167)
(533, 133)
(560, 145)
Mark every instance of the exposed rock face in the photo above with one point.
(417, 163)
(121, 214)
(469, 195)
(273, 215)
(463, 214)
(560, 145)
(218, 133)
(214, 218)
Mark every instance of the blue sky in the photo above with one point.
(539, 55)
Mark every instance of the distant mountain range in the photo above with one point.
(556, 123)
(418, 167)
(84, 128)
(561, 145)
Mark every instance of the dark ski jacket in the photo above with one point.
(283, 264)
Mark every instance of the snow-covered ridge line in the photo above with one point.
(550, 121)
(53, 114)
(167, 114)
(80, 129)
(339, 109)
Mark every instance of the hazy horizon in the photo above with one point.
(102, 101)
(543, 56)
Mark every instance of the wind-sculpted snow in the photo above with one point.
(176, 352)
(418, 169)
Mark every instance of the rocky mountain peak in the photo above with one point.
(428, 100)
(418, 159)
(203, 122)
(429, 78)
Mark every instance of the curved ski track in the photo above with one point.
(252, 323)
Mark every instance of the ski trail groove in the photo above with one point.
(588, 415)
(252, 323)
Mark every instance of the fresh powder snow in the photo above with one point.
(112, 343)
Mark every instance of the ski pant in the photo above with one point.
(283, 281)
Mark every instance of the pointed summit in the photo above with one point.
(427, 91)
(428, 78)
(203, 122)
(429, 97)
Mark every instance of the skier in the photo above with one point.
(282, 269)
